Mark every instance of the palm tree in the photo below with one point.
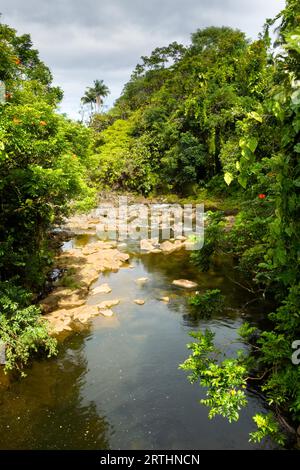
(89, 98)
(101, 91)
(93, 96)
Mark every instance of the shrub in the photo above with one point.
(22, 330)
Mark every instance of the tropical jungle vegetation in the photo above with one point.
(216, 120)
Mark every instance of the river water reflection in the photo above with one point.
(116, 385)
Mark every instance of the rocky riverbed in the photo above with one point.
(66, 308)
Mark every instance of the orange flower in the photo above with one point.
(16, 60)
(262, 196)
(43, 123)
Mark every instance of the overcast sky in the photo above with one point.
(83, 40)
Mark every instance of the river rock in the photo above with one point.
(86, 275)
(103, 289)
(142, 280)
(106, 304)
(139, 302)
(85, 313)
(63, 298)
(59, 321)
(106, 312)
(146, 245)
(59, 326)
(123, 257)
(121, 246)
(185, 283)
(165, 299)
(93, 221)
(168, 247)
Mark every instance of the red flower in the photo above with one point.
(262, 196)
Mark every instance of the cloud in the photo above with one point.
(82, 41)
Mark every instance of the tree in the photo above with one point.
(266, 241)
(43, 172)
(94, 97)
(100, 91)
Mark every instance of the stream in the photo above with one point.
(116, 384)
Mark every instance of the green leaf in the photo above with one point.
(252, 144)
(242, 181)
(248, 154)
(297, 148)
(249, 144)
(228, 178)
(256, 116)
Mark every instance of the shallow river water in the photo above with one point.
(116, 384)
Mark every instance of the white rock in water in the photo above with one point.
(121, 246)
(139, 302)
(106, 312)
(103, 289)
(108, 304)
(154, 241)
(146, 245)
(142, 280)
(184, 283)
(165, 299)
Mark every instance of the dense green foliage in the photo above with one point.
(44, 160)
(183, 105)
(220, 116)
(21, 328)
(265, 239)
